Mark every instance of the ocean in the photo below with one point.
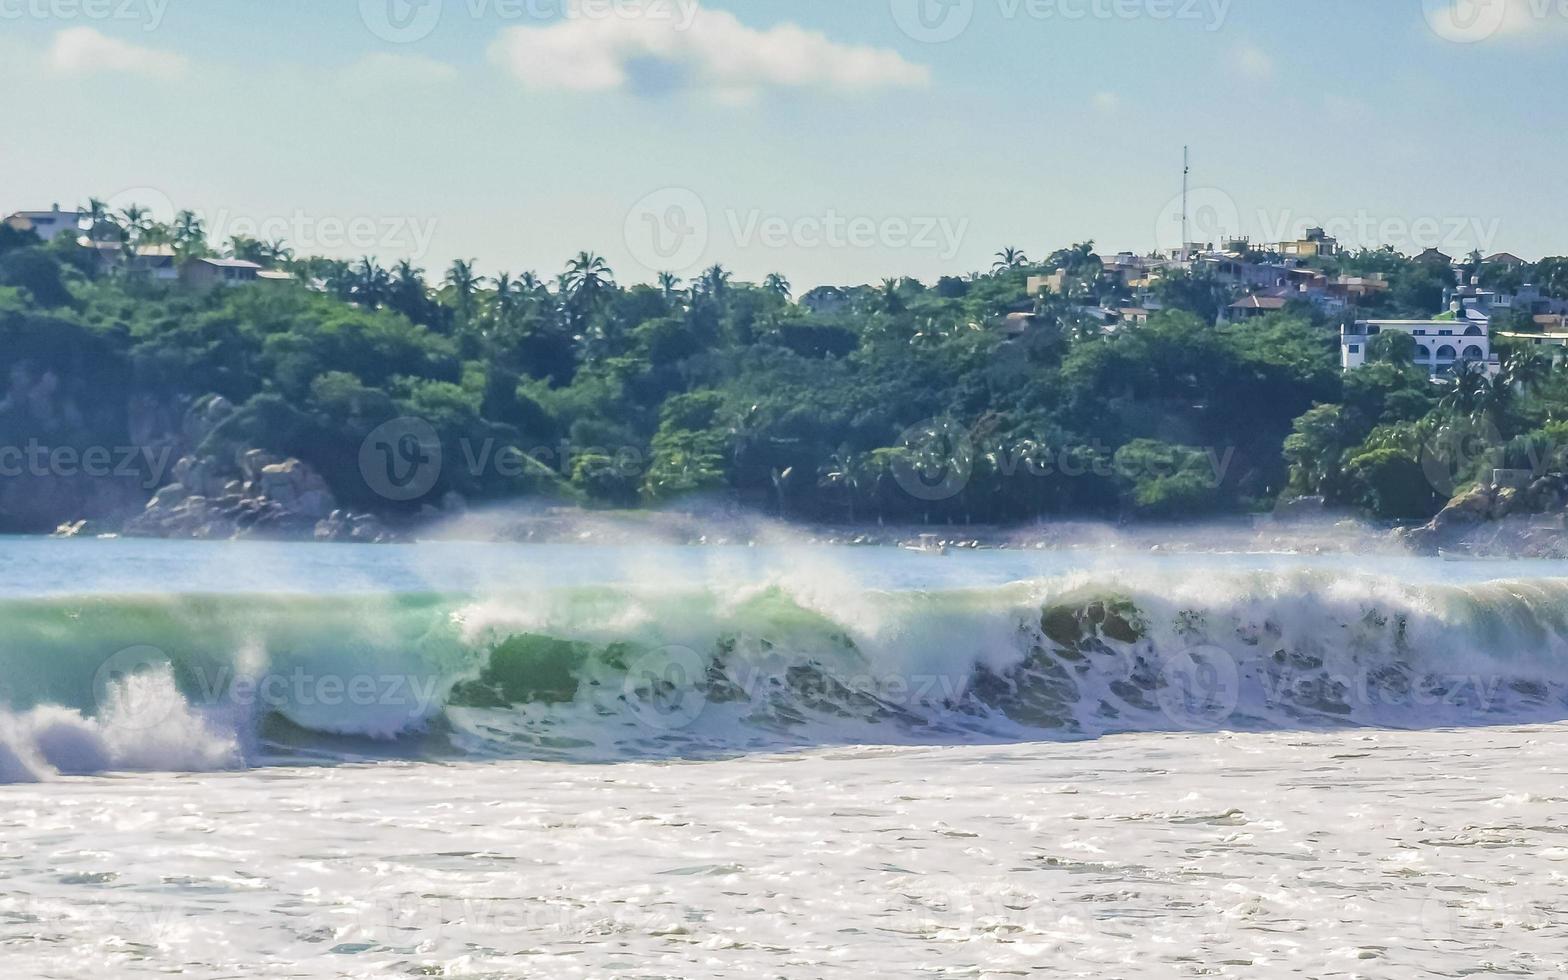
(466, 760)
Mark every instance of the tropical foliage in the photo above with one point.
(964, 400)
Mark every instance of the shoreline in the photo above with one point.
(1318, 534)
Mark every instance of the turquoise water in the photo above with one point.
(125, 654)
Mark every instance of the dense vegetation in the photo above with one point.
(640, 395)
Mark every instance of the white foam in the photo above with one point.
(146, 725)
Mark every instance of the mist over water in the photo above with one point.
(132, 655)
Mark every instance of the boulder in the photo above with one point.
(1466, 510)
(277, 498)
(342, 525)
(1504, 501)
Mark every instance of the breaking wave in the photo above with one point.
(194, 682)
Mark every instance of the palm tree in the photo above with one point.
(1009, 258)
(1526, 368)
(508, 297)
(100, 221)
(843, 470)
(278, 252)
(335, 273)
(408, 293)
(927, 334)
(891, 296)
(1468, 392)
(529, 284)
(157, 233)
(669, 285)
(714, 281)
(1081, 254)
(137, 221)
(190, 235)
(247, 248)
(587, 273)
(463, 281)
(778, 285)
(371, 283)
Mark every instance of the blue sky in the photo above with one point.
(836, 141)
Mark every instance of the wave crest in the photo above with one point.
(607, 672)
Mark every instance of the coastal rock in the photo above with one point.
(1525, 522)
(1504, 502)
(1465, 510)
(258, 495)
(342, 525)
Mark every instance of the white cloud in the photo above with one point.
(384, 71)
(1107, 101)
(645, 49)
(83, 51)
(1254, 61)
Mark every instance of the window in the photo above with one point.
(1356, 348)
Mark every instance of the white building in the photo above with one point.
(47, 225)
(1440, 344)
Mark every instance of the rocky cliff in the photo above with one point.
(1527, 522)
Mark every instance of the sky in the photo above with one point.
(834, 141)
